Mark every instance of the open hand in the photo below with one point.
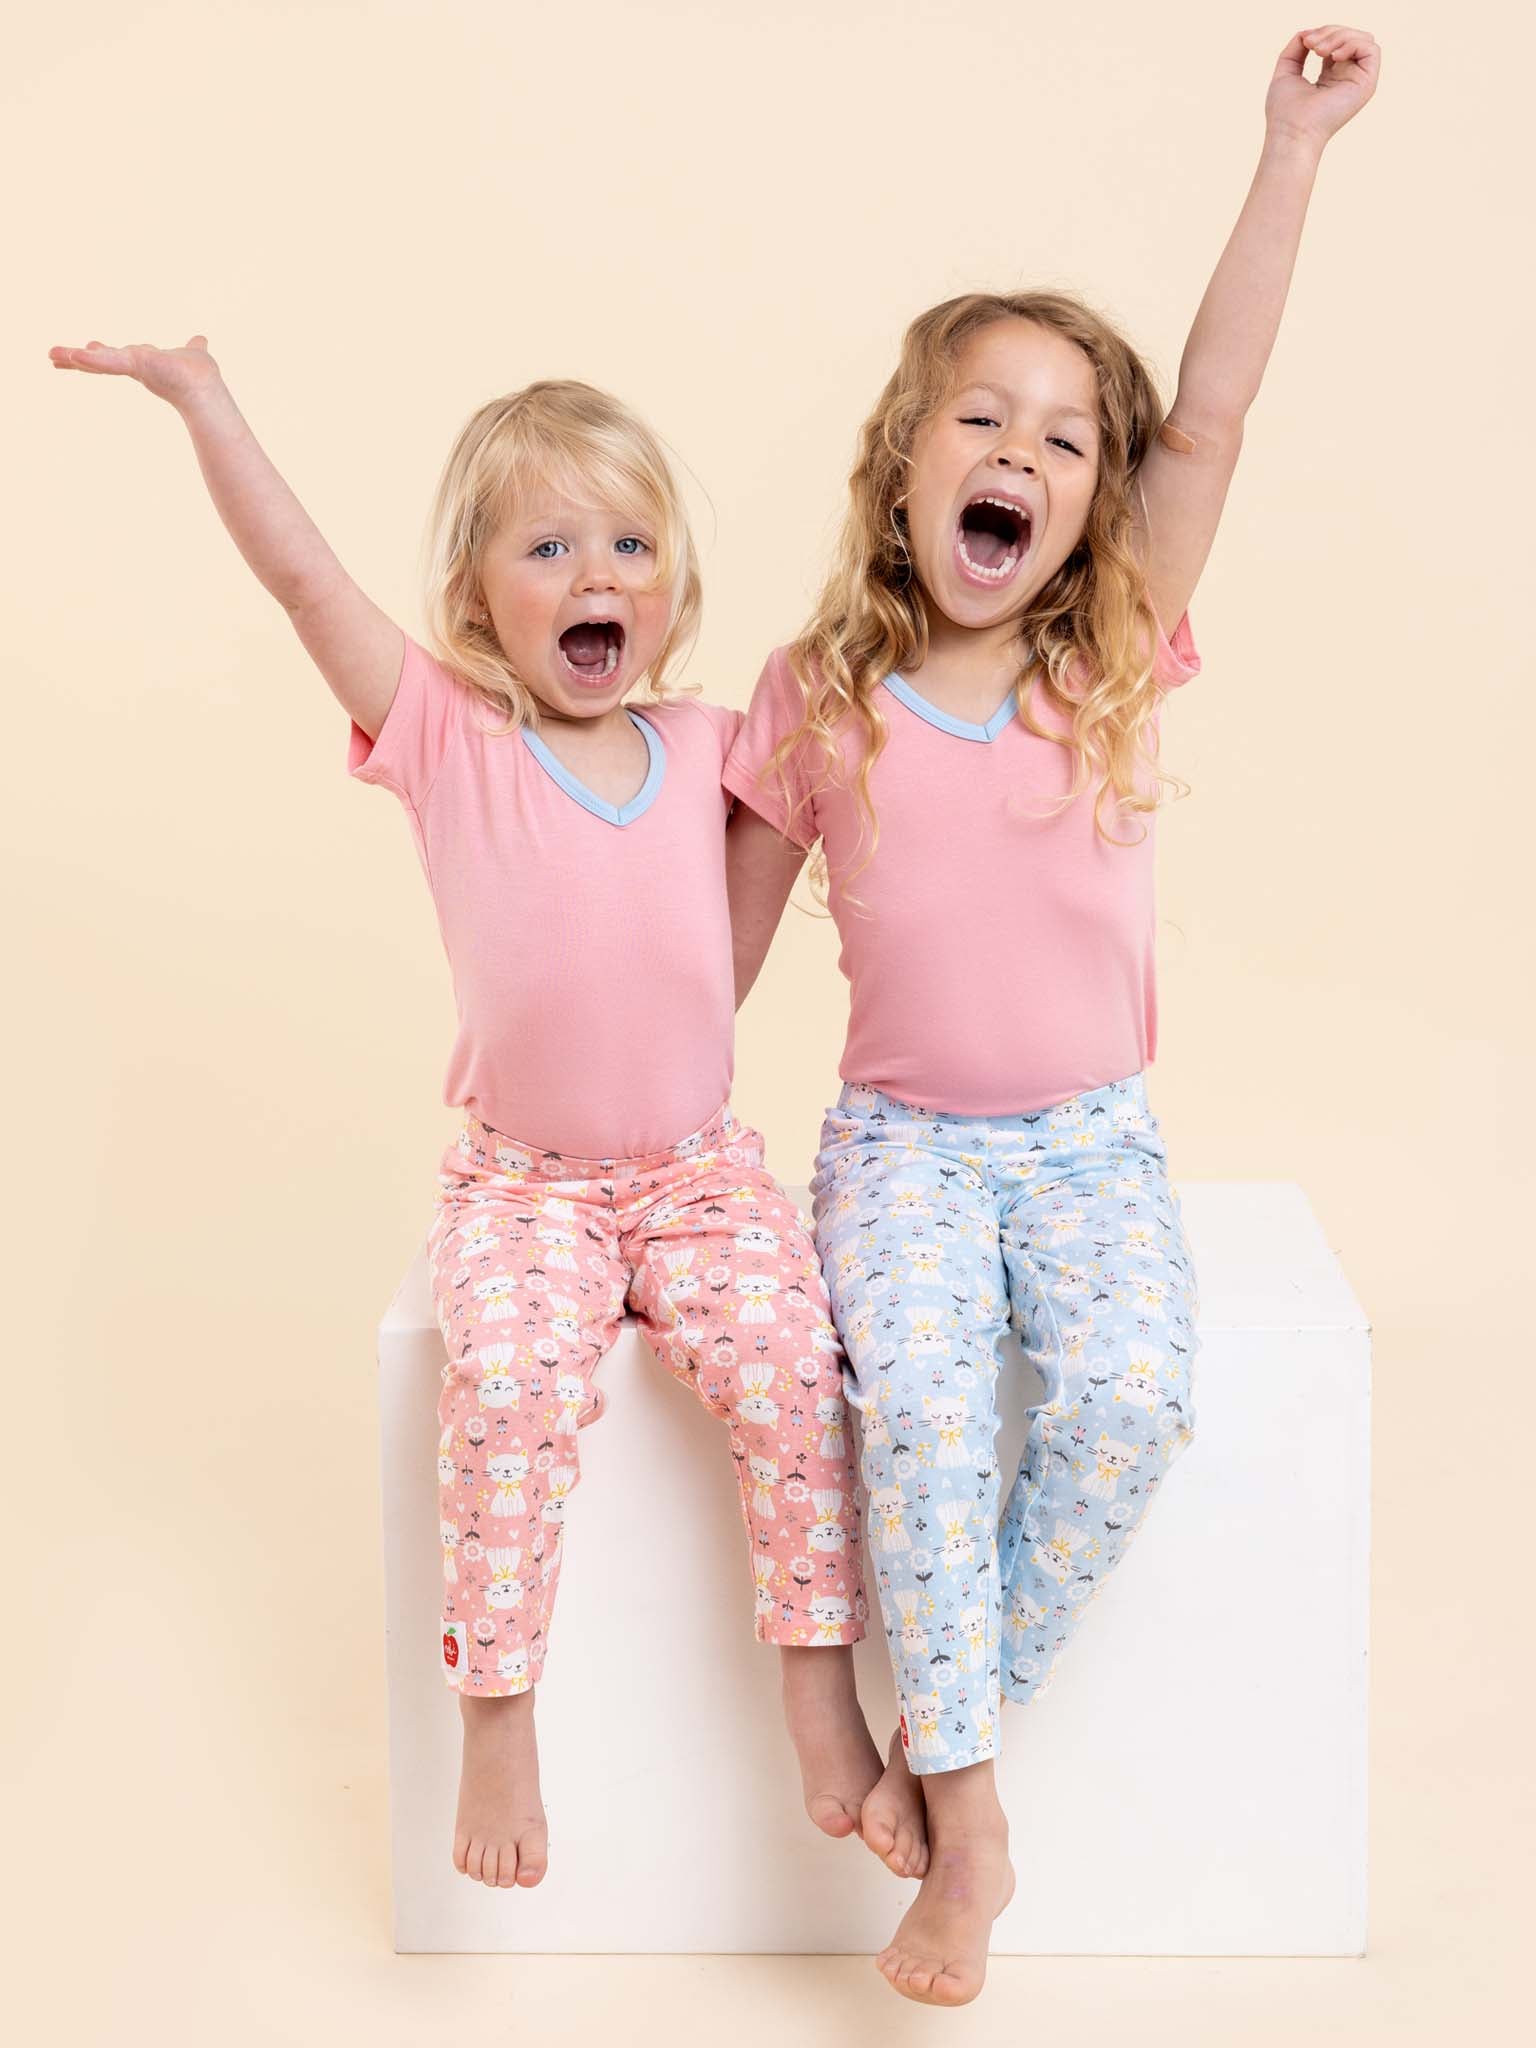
(174, 374)
(1317, 109)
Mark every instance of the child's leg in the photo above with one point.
(524, 1326)
(908, 1229)
(727, 1281)
(1103, 1290)
(909, 1240)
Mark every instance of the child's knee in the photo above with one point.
(1151, 1396)
(1175, 1418)
(489, 1378)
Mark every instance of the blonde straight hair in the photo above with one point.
(592, 448)
(1088, 639)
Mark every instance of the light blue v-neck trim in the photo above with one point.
(903, 691)
(612, 814)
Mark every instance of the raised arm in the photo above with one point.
(353, 644)
(760, 870)
(1185, 486)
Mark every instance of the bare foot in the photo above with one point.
(893, 1821)
(500, 1836)
(938, 1955)
(839, 1763)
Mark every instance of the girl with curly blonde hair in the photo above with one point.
(967, 729)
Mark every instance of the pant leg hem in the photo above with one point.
(951, 1760)
(800, 1634)
(467, 1690)
(463, 1684)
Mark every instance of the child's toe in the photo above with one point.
(831, 1815)
(877, 1831)
(532, 1857)
(947, 1989)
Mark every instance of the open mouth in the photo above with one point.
(591, 650)
(992, 538)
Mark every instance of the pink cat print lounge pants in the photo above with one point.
(536, 1258)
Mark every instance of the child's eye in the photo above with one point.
(546, 549)
(983, 422)
(631, 544)
(1061, 442)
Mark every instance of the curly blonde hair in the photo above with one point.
(1088, 639)
(587, 444)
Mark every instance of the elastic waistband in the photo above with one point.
(512, 1156)
(858, 1098)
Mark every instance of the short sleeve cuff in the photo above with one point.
(418, 730)
(1177, 657)
(375, 760)
(744, 783)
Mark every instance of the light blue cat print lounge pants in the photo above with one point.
(935, 1232)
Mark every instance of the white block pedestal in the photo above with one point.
(1193, 1784)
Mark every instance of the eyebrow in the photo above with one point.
(1071, 412)
(549, 517)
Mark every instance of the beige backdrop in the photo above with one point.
(230, 1009)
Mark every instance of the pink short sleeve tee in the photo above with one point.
(590, 944)
(1000, 956)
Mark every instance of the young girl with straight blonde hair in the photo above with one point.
(573, 842)
(968, 727)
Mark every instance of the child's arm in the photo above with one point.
(1184, 485)
(760, 870)
(355, 647)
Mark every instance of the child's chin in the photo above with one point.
(585, 691)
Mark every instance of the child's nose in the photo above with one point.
(1018, 455)
(596, 571)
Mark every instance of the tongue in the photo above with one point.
(586, 646)
(986, 548)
